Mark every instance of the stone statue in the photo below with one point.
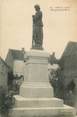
(37, 39)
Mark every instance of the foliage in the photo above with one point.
(6, 101)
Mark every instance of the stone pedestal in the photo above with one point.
(36, 97)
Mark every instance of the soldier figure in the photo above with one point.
(37, 29)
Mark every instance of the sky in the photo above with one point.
(59, 19)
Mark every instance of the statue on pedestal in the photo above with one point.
(37, 39)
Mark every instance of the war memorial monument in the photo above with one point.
(36, 98)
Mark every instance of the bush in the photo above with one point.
(5, 102)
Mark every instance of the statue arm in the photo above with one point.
(38, 16)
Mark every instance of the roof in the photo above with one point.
(71, 49)
(4, 62)
(17, 54)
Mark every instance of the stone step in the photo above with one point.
(37, 102)
(37, 84)
(65, 111)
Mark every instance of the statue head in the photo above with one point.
(37, 7)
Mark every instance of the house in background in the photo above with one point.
(15, 59)
(68, 64)
(4, 71)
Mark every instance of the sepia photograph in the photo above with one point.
(38, 58)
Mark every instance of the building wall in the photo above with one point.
(69, 68)
(68, 63)
(18, 67)
(9, 60)
(3, 74)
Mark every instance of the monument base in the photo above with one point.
(36, 97)
(65, 111)
(36, 90)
